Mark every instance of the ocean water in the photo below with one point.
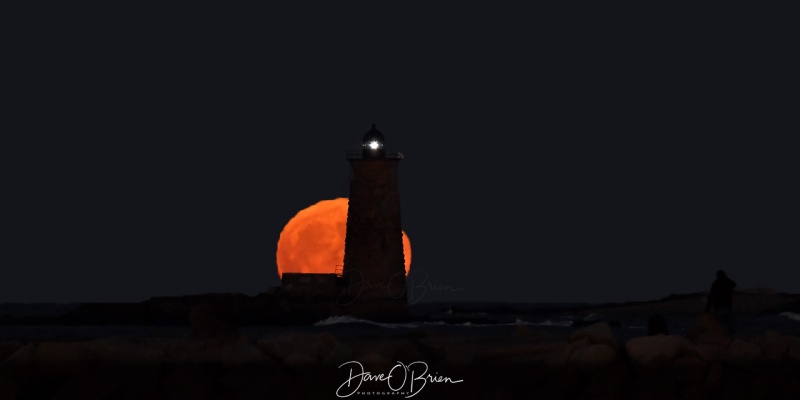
(747, 326)
(453, 323)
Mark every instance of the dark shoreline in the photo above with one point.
(520, 362)
(233, 346)
(273, 310)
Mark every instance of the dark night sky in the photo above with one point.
(585, 153)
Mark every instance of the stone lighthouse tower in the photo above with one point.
(374, 266)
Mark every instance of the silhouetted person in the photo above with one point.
(720, 300)
(657, 325)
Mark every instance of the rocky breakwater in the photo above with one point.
(591, 363)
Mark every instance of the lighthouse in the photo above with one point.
(373, 273)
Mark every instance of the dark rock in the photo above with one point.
(654, 351)
(791, 385)
(298, 361)
(316, 347)
(597, 333)
(103, 381)
(259, 382)
(705, 323)
(567, 384)
(739, 384)
(125, 352)
(609, 381)
(558, 355)
(688, 370)
(41, 388)
(714, 376)
(523, 332)
(192, 381)
(740, 351)
(458, 350)
(57, 359)
(409, 350)
(794, 347)
(502, 392)
(713, 338)
(8, 388)
(592, 357)
(8, 348)
(523, 355)
(705, 351)
(654, 387)
(773, 345)
(696, 392)
(384, 348)
(20, 367)
(656, 325)
(373, 361)
(340, 353)
(207, 322)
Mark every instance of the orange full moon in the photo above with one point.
(313, 240)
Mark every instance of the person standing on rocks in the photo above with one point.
(720, 301)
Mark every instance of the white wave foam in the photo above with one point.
(348, 319)
(593, 317)
(791, 315)
(546, 322)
